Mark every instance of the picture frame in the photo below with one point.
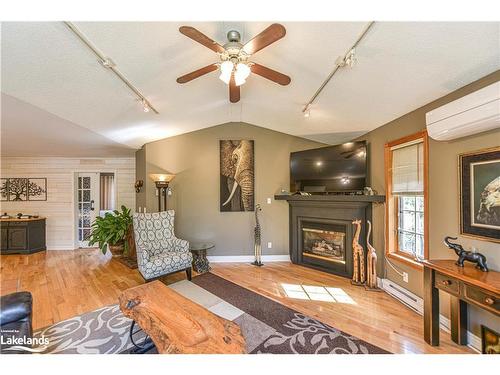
(237, 175)
(479, 176)
(490, 341)
(4, 189)
(18, 189)
(37, 189)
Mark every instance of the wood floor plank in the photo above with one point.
(69, 283)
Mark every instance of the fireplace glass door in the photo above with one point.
(325, 242)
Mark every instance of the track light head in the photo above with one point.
(145, 106)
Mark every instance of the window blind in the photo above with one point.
(408, 168)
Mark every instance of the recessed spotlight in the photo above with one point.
(345, 180)
(319, 163)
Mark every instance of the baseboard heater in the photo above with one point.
(404, 296)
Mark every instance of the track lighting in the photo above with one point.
(307, 111)
(350, 59)
(226, 69)
(145, 106)
(107, 63)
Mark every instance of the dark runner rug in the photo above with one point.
(268, 326)
(293, 332)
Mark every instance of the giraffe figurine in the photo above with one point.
(257, 239)
(358, 276)
(371, 263)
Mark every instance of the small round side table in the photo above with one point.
(199, 251)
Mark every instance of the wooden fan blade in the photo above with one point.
(197, 73)
(201, 38)
(270, 74)
(234, 91)
(265, 38)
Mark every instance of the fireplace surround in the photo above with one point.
(321, 230)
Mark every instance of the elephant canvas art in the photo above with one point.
(236, 175)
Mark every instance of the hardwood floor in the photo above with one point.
(69, 283)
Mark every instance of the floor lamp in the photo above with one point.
(161, 182)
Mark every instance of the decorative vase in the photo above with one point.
(116, 249)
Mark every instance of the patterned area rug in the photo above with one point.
(268, 327)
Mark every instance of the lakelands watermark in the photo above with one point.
(22, 343)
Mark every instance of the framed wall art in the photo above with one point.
(480, 194)
(37, 189)
(19, 189)
(236, 175)
(4, 189)
(490, 341)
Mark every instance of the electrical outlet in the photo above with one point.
(405, 277)
(269, 201)
(269, 245)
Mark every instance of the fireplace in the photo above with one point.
(321, 229)
(325, 242)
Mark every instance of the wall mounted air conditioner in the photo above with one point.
(471, 114)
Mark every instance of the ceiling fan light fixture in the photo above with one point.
(226, 69)
(241, 74)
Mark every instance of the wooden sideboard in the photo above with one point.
(466, 285)
(22, 236)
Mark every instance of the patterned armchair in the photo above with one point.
(159, 252)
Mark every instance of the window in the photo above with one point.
(411, 225)
(406, 164)
(107, 193)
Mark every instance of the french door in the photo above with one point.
(87, 205)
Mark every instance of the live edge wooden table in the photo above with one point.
(177, 324)
(466, 285)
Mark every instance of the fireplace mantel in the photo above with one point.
(336, 211)
(331, 198)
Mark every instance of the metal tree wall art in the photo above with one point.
(23, 189)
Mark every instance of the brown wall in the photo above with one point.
(194, 158)
(443, 193)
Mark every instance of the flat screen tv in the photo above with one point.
(333, 169)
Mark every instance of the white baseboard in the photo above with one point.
(247, 258)
(416, 303)
(60, 248)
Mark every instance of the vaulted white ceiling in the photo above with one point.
(401, 66)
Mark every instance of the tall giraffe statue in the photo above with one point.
(257, 238)
(358, 276)
(371, 261)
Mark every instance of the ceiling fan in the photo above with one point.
(234, 63)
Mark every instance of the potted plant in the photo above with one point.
(111, 231)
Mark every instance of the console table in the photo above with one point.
(465, 285)
(22, 236)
